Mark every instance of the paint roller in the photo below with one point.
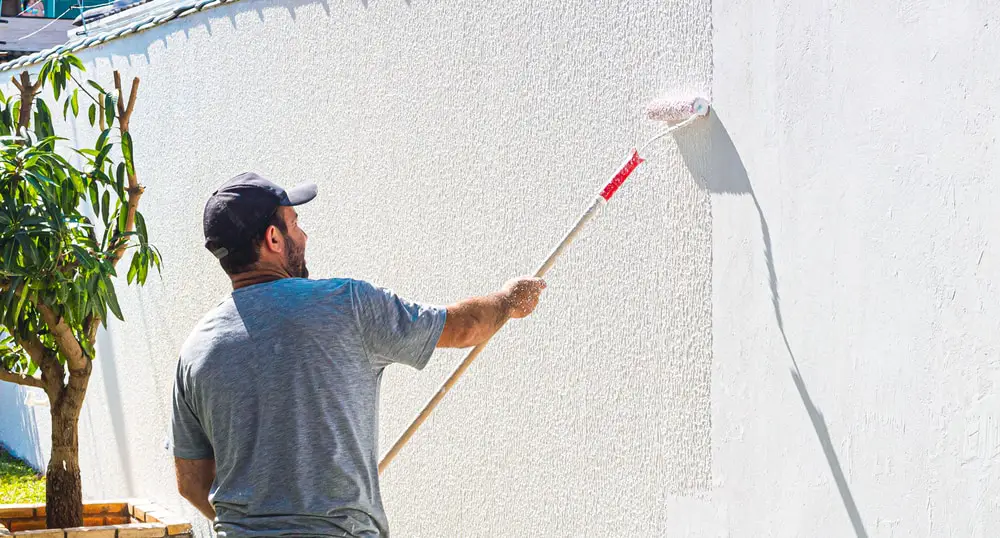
(678, 113)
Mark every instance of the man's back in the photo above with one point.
(279, 384)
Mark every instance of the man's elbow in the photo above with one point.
(194, 478)
(192, 492)
(458, 338)
(460, 331)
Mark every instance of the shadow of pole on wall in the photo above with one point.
(717, 167)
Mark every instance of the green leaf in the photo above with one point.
(83, 257)
(113, 299)
(75, 100)
(77, 182)
(120, 177)
(43, 122)
(8, 301)
(96, 86)
(37, 181)
(140, 227)
(133, 268)
(65, 109)
(143, 267)
(28, 250)
(105, 207)
(109, 110)
(58, 83)
(101, 307)
(95, 198)
(102, 139)
(127, 153)
(9, 264)
(101, 155)
(6, 121)
(20, 303)
(157, 258)
(92, 114)
(122, 218)
(45, 70)
(73, 60)
(120, 180)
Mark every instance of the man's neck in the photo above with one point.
(258, 276)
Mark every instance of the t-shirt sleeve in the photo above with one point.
(190, 440)
(396, 330)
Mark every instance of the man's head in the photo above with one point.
(251, 224)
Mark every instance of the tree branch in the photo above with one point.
(121, 98)
(31, 344)
(71, 398)
(92, 98)
(76, 358)
(28, 91)
(131, 100)
(11, 377)
(125, 111)
(52, 372)
(135, 190)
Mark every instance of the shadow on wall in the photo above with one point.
(720, 170)
(258, 8)
(113, 392)
(18, 427)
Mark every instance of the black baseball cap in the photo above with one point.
(243, 206)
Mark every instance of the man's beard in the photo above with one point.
(297, 260)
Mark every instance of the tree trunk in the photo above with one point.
(63, 488)
(63, 492)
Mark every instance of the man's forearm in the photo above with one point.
(194, 482)
(475, 320)
(203, 506)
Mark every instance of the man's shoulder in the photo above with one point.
(296, 285)
(206, 330)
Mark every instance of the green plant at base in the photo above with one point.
(19, 483)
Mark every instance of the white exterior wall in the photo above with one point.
(24, 427)
(866, 134)
(838, 197)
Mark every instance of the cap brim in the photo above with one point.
(300, 194)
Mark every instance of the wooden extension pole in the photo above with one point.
(599, 202)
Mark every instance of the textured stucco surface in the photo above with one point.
(453, 146)
(784, 325)
(866, 134)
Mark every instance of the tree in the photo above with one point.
(63, 230)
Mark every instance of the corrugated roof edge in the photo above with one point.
(76, 45)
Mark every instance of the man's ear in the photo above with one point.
(273, 239)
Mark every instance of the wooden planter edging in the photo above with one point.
(103, 519)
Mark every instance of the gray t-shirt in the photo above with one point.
(279, 384)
